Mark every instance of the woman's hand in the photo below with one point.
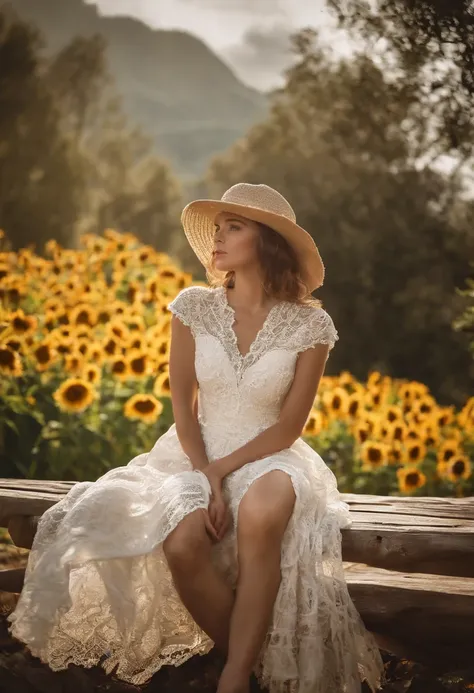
(218, 510)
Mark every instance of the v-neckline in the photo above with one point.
(231, 313)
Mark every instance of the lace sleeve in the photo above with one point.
(184, 306)
(317, 329)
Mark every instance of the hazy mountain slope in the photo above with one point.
(171, 82)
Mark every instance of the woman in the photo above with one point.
(228, 531)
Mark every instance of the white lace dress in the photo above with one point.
(97, 587)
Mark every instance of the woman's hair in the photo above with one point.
(280, 268)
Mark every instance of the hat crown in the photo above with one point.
(259, 196)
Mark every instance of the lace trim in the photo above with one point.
(288, 326)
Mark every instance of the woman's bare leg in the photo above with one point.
(264, 513)
(203, 591)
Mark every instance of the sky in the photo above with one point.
(250, 35)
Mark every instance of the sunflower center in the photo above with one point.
(412, 479)
(75, 393)
(7, 357)
(42, 354)
(458, 467)
(145, 406)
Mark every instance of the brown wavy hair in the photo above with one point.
(280, 268)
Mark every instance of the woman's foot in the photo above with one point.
(232, 681)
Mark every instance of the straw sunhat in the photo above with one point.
(259, 203)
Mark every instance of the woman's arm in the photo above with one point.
(184, 387)
(293, 416)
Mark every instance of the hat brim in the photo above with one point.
(198, 219)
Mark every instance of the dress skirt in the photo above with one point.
(98, 589)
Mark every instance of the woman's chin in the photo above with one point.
(220, 265)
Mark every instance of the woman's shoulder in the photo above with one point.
(316, 324)
(191, 302)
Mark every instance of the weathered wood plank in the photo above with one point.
(428, 617)
(429, 535)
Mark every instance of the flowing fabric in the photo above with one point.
(97, 587)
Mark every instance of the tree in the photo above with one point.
(35, 160)
(428, 45)
(336, 145)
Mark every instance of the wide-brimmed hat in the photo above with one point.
(259, 203)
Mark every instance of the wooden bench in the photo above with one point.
(409, 565)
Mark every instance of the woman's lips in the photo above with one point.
(219, 252)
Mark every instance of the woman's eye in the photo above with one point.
(233, 227)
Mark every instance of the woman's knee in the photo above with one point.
(188, 543)
(266, 508)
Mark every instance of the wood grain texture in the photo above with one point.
(425, 535)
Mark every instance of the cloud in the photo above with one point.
(262, 56)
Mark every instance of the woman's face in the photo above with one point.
(235, 242)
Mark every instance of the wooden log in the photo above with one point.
(426, 535)
(429, 618)
(12, 580)
(22, 530)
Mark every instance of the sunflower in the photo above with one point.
(162, 387)
(111, 346)
(398, 430)
(74, 362)
(345, 379)
(135, 323)
(424, 407)
(92, 373)
(83, 314)
(53, 305)
(139, 362)
(44, 354)
(373, 455)
(75, 395)
(354, 404)
(335, 402)
(119, 368)
(374, 379)
(146, 254)
(22, 324)
(361, 431)
(10, 362)
(104, 315)
(15, 343)
(139, 342)
(117, 329)
(162, 348)
(444, 416)
(382, 429)
(162, 365)
(448, 450)
(410, 479)
(373, 397)
(167, 273)
(314, 423)
(395, 453)
(95, 353)
(144, 407)
(431, 434)
(412, 431)
(414, 451)
(458, 467)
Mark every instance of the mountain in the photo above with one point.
(172, 84)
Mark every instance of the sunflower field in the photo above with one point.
(84, 349)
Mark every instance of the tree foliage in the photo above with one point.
(35, 160)
(394, 241)
(428, 45)
(69, 159)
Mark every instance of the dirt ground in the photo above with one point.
(22, 673)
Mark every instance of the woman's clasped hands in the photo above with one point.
(217, 516)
